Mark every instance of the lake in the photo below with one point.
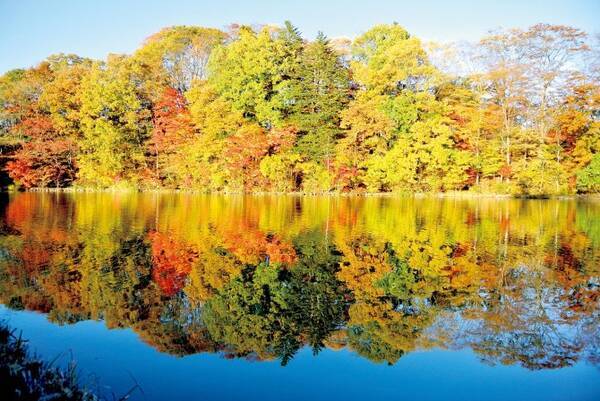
(295, 298)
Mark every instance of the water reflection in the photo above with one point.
(518, 282)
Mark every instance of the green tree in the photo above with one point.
(321, 93)
(254, 73)
(114, 124)
(588, 179)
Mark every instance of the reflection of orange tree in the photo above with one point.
(96, 271)
(270, 311)
(251, 245)
(172, 262)
(429, 269)
(260, 277)
(228, 234)
(579, 291)
(34, 250)
(223, 252)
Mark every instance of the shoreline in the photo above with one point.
(441, 195)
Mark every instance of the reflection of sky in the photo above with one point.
(115, 356)
(31, 30)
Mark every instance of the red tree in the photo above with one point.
(172, 126)
(46, 158)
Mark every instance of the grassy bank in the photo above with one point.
(23, 376)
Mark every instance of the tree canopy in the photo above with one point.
(255, 109)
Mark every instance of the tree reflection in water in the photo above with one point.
(518, 282)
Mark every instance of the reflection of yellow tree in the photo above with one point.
(516, 281)
(382, 333)
(214, 268)
(363, 264)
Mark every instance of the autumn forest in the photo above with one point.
(261, 109)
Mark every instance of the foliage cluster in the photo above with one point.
(260, 277)
(254, 110)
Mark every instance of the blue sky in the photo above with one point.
(31, 30)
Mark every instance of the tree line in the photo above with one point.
(253, 109)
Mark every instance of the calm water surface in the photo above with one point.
(285, 298)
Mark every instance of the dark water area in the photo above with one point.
(295, 298)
